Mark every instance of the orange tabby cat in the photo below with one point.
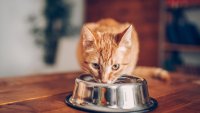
(108, 49)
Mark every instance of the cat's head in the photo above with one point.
(106, 55)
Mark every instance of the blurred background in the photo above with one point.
(40, 36)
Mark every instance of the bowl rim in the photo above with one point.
(142, 81)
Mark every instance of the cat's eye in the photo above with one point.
(95, 66)
(115, 67)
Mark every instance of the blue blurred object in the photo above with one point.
(57, 14)
(180, 30)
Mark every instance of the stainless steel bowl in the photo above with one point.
(127, 94)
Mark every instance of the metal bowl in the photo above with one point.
(127, 94)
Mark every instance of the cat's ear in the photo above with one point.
(125, 38)
(88, 39)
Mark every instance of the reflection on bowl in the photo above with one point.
(127, 94)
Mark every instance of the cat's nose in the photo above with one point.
(103, 81)
(106, 81)
(105, 77)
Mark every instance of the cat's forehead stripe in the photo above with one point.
(106, 47)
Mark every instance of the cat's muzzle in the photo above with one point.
(127, 94)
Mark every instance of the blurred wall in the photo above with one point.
(19, 53)
(143, 14)
(193, 15)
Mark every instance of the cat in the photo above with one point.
(108, 49)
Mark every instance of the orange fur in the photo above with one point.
(108, 49)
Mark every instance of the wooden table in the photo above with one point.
(46, 94)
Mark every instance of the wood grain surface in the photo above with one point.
(46, 94)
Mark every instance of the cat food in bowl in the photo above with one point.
(127, 94)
